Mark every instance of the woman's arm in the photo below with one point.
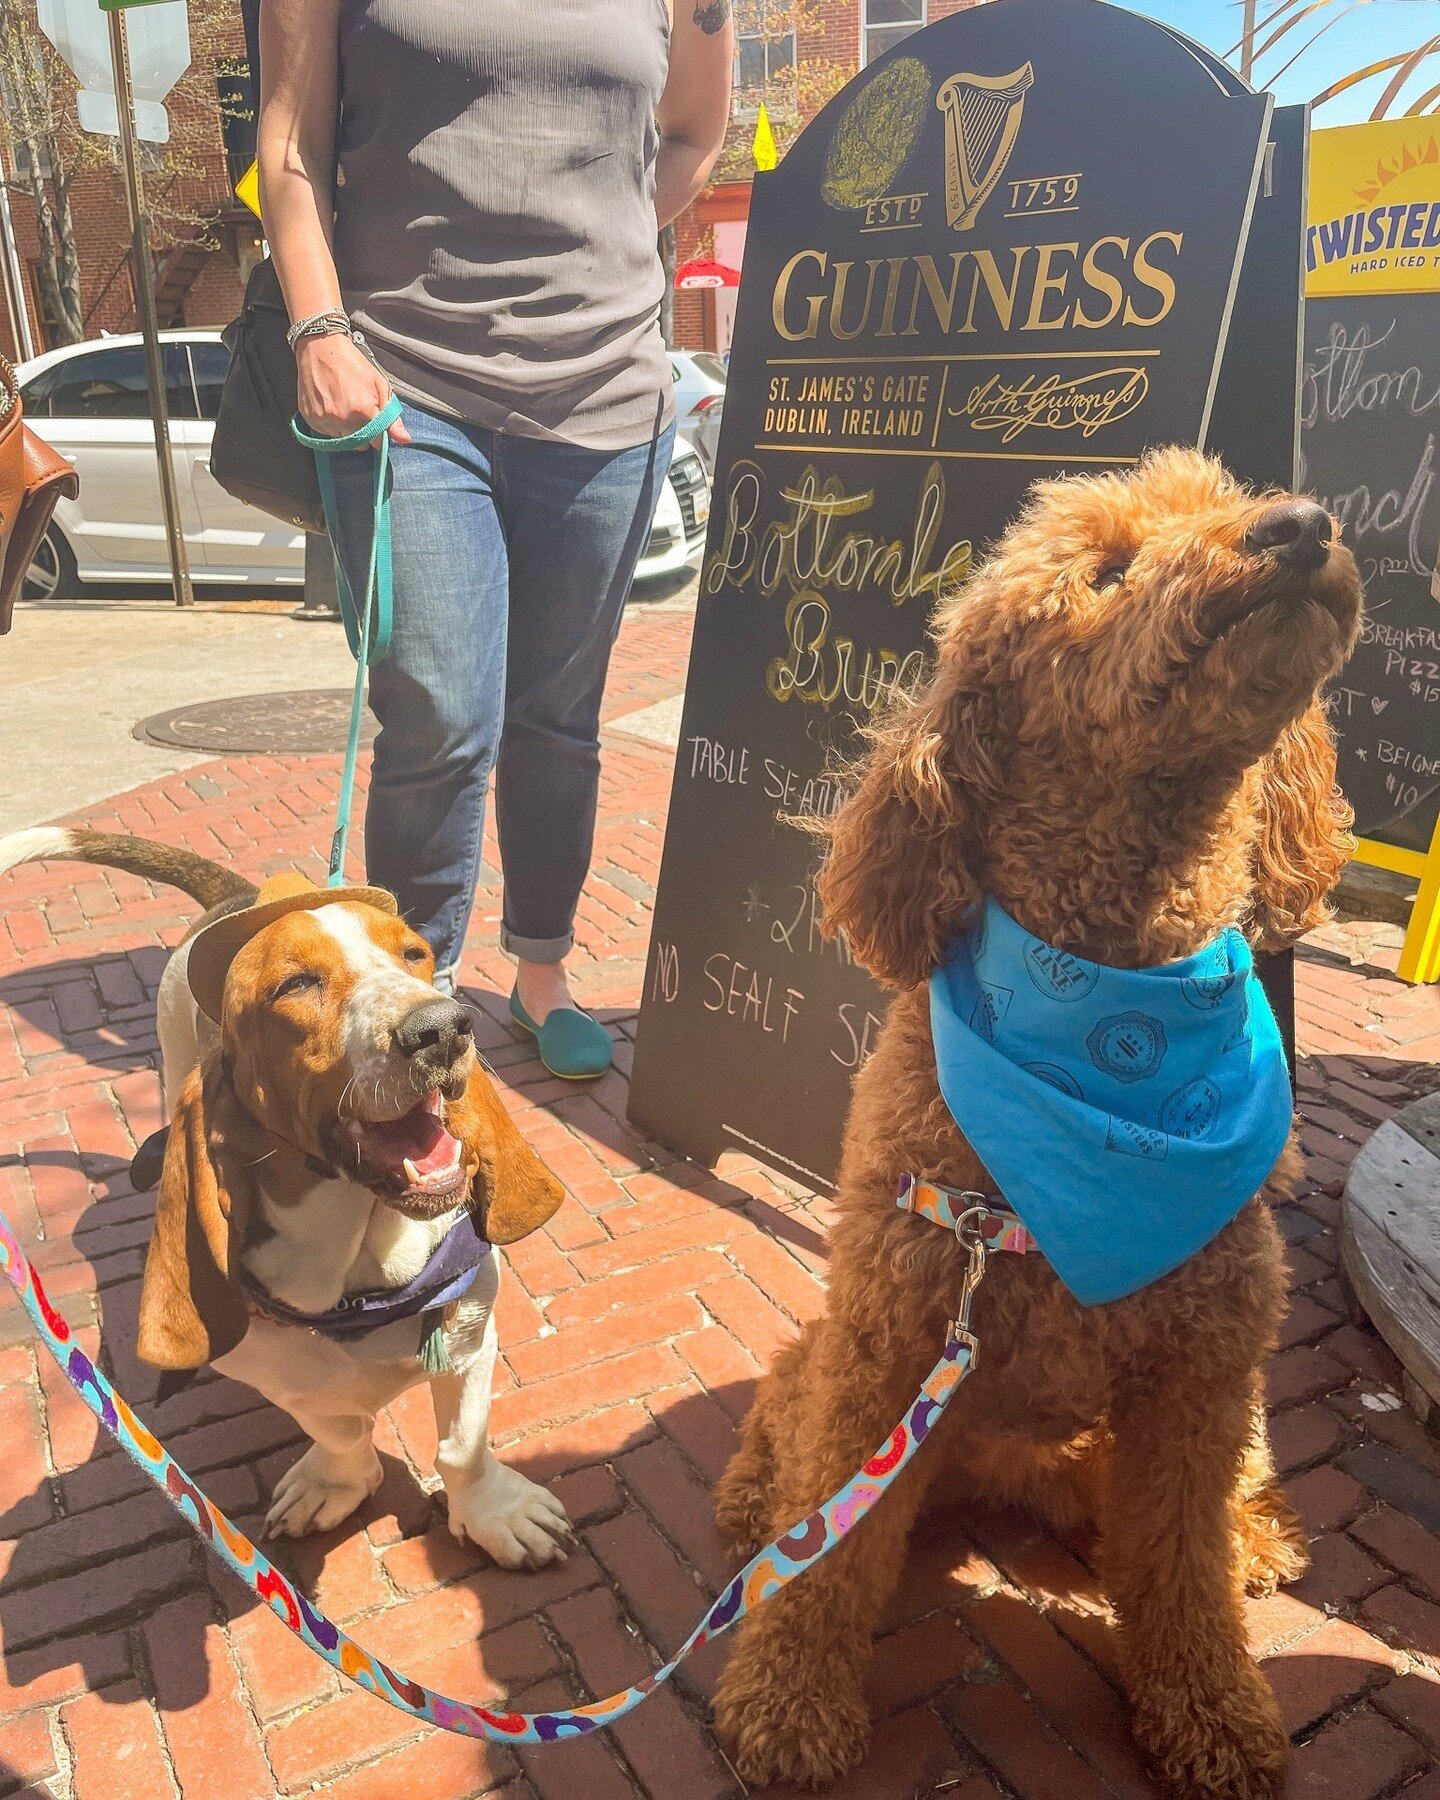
(340, 389)
(695, 107)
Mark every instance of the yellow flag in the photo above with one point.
(765, 152)
(247, 188)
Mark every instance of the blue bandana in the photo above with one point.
(1126, 1114)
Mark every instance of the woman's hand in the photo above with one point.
(340, 389)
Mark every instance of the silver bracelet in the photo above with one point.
(331, 323)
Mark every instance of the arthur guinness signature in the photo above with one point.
(1083, 403)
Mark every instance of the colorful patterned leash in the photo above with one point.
(774, 1568)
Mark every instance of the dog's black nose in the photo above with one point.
(1298, 531)
(440, 1027)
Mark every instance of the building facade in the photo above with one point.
(793, 55)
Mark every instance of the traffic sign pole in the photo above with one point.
(149, 321)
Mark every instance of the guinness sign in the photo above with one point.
(1013, 248)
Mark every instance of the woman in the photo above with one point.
(485, 213)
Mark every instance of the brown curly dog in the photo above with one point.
(1121, 744)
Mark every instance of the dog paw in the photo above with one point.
(321, 1491)
(743, 1504)
(515, 1522)
(807, 1738)
(1270, 1544)
(1230, 1746)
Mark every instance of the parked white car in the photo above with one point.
(91, 403)
(699, 399)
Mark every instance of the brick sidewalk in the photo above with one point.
(632, 1331)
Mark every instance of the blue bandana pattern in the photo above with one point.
(1126, 1114)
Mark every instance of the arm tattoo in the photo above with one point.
(712, 15)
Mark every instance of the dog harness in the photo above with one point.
(447, 1276)
(1126, 1115)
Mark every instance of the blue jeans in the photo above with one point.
(513, 558)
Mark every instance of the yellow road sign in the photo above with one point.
(247, 188)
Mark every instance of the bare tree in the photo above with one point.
(49, 154)
(1279, 32)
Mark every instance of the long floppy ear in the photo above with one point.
(1304, 840)
(513, 1190)
(191, 1311)
(903, 868)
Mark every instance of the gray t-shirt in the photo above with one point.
(495, 216)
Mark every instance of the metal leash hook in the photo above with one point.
(971, 1239)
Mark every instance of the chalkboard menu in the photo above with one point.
(1371, 446)
(1008, 250)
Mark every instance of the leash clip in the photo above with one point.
(971, 1239)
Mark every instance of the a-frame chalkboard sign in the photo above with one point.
(1012, 248)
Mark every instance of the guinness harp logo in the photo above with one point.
(982, 121)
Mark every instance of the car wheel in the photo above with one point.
(52, 574)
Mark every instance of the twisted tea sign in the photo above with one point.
(1009, 249)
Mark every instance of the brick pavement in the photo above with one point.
(632, 1330)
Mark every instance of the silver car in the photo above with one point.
(699, 400)
(91, 403)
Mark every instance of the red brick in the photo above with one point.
(645, 1286)
(585, 1345)
(280, 1672)
(116, 1748)
(1010, 1736)
(1340, 1571)
(1304, 1434)
(583, 1391)
(910, 1755)
(58, 1671)
(788, 1282)
(664, 1596)
(1325, 1670)
(659, 1478)
(910, 1664)
(738, 1304)
(1080, 1703)
(588, 1494)
(542, 1455)
(1405, 1619)
(212, 1739)
(703, 1231)
(25, 1499)
(438, 1766)
(27, 1752)
(114, 1590)
(1414, 1700)
(1403, 1542)
(1302, 1374)
(1353, 1758)
(704, 1430)
(1325, 1498)
(725, 1365)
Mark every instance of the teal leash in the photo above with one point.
(368, 627)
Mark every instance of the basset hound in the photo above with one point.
(337, 1170)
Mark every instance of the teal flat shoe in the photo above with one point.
(572, 1044)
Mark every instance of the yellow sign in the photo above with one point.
(765, 150)
(247, 188)
(1375, 209)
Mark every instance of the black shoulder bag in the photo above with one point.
(255, 456)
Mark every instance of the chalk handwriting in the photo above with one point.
(740, 993)
(1344, 379)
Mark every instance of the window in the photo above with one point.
(764, 43)
(885, 22)
(211, 363)
(239, 108)
(110, 384)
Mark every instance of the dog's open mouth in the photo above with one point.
(416, 1155)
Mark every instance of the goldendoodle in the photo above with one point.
(1120, 747)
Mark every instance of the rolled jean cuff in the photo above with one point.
(537, 950)
(446, 980)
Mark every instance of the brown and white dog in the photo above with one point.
(331, 1124)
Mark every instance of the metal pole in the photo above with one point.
(14, 276)
(149, 324)
(1247, 45)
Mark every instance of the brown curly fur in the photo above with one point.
(1128, 766)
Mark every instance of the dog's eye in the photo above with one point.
(295, 984)
(414, 953)
(1112, 575)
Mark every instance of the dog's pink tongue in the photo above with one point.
(419, 1138)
